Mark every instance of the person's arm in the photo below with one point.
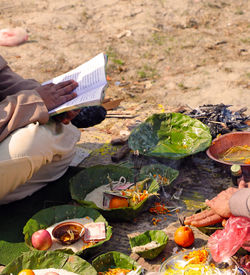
(231, 201)
(240, 203)
(12, 83)
(20, 104)
(25, 101)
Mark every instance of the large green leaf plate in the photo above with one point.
(49, 259)
(171, 135)
(114, 259)
(49, 216)
(89, 179)
(151, 235)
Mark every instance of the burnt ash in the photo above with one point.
(220, 119)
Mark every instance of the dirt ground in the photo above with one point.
(163, 54)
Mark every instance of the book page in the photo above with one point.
(89, 98)
(90, 76)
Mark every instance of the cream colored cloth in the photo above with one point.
(34, 154)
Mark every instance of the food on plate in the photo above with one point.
(196, 256)
(198, 262)
(41, 239)
(115, 271)
(53, 271)
(26, 272)
(68, 232)
(184, 236)
(145, 247)
(117, 202)
(119, 194)
(236, 154)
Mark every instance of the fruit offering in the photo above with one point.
(26, 272)
(196, 256)
(184, 236)
(41, 239)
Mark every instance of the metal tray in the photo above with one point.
(177, 265)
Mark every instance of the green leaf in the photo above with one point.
(49, 216)
(49, 259)
(113, 259)
(91, 178)
(159, 169)
(151, 235)
(172, 135)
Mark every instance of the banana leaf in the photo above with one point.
(49, 259)
(113, 259)
(49, 216)
(171, 135)
(151, 235)
(90, 178)
(154, 170)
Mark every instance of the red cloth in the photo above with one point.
(226, 242)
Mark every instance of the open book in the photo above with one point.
(91, 78)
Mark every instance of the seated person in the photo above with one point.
(232, 201)
(34, 148)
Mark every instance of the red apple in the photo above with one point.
(41, 239)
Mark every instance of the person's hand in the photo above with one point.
(220, 203)
(66, 117)
(219, 208)
(54, 95)
(204, 218)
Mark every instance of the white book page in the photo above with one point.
(91, 97)
(90, 76)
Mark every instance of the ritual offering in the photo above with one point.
(232, 148)
(74, 229)
(68, 232)
(116, 263)
(198, 262)
(163, 174)
(184, 236)
(111, 190)
(41, 239)
(170, 135)
(49, 263)
(149, 244)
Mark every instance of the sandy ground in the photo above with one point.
(162, 54)
(173, 52)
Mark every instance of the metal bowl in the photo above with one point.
(68, 232)
(224, 142)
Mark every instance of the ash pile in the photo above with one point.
(220, 119)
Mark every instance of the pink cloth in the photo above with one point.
(226, 242)
(13, 36)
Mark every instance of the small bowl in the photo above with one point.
(68, 232)
(222, 143)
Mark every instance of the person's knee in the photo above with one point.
(32, 140)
